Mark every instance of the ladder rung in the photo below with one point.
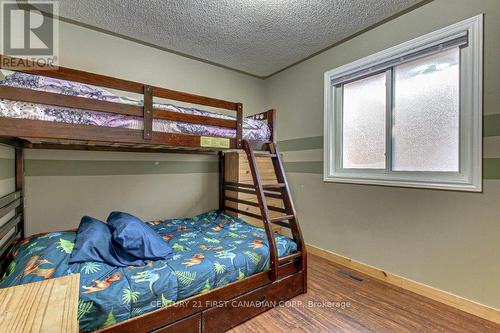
(265, 187)
(240, 185)
(254, 204)
(290, 257)
(281, 218)
(272, 186)
(283, 224)
(251, 191)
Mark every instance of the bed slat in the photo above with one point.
(9, 198)
(48, 98)
(193, 118)
(194, 99)
(45, 129)
(6, 246)
(62, 73)
(4, 230)
(290, 257)
(10, 207)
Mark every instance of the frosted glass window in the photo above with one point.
(363, 132)
(425, 130)
(410, 115)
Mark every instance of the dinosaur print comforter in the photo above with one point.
(210, 250)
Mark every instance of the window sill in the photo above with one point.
(465, 187)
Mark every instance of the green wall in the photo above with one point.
(446, 239)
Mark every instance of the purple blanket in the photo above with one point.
(252, 129)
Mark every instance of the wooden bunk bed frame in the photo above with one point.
(219, 309)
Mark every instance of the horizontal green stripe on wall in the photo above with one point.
(314, 142)
(101, 168)
(491, 168)
(7, 168)
(304, 167)
(491, 125)
(491, 128)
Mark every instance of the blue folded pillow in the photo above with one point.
(94, 242)
(137, 238)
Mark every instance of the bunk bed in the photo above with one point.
(74, 112)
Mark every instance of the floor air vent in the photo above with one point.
(350, 276)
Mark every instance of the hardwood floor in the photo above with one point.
(369, 305)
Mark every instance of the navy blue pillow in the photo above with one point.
(94, 242)
(137, 238)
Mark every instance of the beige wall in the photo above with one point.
(449, 240)
(62, 186)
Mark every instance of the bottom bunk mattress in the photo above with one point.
(210, 250)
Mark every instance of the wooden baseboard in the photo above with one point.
(447, 298)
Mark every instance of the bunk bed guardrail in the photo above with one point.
(12, 203)
(16, 127)
(9, 204)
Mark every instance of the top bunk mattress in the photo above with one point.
(252, 129)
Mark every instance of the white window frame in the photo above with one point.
(469, 177)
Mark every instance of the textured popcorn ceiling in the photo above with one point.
(255, 36)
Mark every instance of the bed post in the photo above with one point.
(271, 122)
(148, 112)
(222, 201)
(239, 125)
(19, 183)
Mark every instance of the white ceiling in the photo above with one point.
(259, 37)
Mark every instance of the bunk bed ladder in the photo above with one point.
(280, 190)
